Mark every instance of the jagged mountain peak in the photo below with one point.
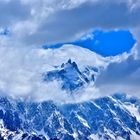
(70, 64)
(106, 118)
(71, 77)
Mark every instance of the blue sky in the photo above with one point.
(105, 43)
(109, 43)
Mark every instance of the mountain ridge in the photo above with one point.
(108, 117)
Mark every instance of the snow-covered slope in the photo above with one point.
(108, 118)
(7, 134)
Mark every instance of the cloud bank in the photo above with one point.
(38, 22)
(33, 23)
(21, 70)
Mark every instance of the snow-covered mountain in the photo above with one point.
(115, 117)
(71, 77)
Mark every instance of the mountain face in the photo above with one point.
(108, 118)
(7, 134)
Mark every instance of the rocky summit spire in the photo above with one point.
(69, 61)
(71, 76)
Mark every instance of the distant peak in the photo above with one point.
(71, 76)
(69, 61)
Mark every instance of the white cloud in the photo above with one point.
(33, 23)
(21, 70)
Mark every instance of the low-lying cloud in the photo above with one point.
(22, 68)
(21, 72)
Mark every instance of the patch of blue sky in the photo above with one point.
(105, 43)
